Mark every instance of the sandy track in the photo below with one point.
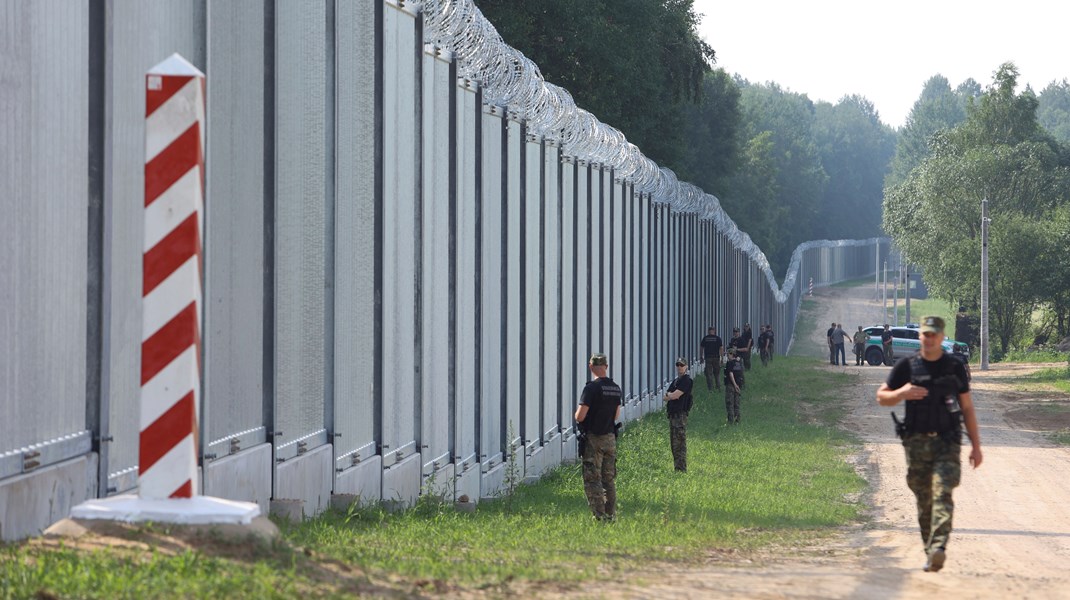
(1012, 518)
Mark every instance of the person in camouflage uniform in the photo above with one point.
(937, 395)
(596, 419)
(678, 405)
(733, 384)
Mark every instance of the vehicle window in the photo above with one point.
(906, 334)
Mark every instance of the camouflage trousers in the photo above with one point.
(934, 469)
(713, 373)
(678, 440)
(731, 403)
(745, 355)
(765, 354)
(600, 474)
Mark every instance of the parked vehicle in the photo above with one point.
(905, 341)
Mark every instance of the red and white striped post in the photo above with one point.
(811, 286)
(169, 491)
(172, 289)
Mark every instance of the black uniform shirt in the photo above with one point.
(742, 342)
(747, 338)
(886, 338)
(601, 397)
(711, 346)
(683, 403)
(923, 414)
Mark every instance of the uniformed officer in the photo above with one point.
(712, 352)
(678, 405)
(763, 346)
(733, 385)
(596, 416)
(937, 395)
(745, 351)
(888, 344)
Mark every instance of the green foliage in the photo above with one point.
(855, 149)
(713, 139)
(632, 63)
(998, 152)
(1053, 110)
(937, 109)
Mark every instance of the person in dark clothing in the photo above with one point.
(678, 405)
(887, 343)
(772, 340)
(839, 337)
(832, 351)
(937, 395)
(712, 351)
(596, 417)
(763, 346)
(733, 386)
(746, 350)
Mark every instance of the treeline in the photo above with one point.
(962, 146)
(789, 170)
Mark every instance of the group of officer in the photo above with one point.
(598, 413)
(934, 387)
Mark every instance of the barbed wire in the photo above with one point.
(511, 80)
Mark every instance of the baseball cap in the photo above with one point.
(732, 350)
(599, 359)
(933, 324)
(681, 362)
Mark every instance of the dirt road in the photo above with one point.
(1012, 515)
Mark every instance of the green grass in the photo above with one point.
(928, 306)
(1057, 378)
(779, 478)
(1042, 355)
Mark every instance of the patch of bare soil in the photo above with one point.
(1012, 527)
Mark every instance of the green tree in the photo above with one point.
(1001, 153)
(634, 64)
(712, 135)
(856, 149)
(937, 108)
(1053, 110)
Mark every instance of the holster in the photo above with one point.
(581, 442)
(900, 427)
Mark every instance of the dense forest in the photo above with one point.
(788, 169)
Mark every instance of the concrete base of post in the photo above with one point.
(198, 510)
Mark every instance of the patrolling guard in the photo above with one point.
(712, 352)
(937, 395)
(596, 421)
(733, 385)
(678, 405)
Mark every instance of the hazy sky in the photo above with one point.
(886, 51)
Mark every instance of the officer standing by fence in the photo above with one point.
(937, 395)
(748, 337)
(596, 418)
(712, 351)
(733, 385)
(678, 405)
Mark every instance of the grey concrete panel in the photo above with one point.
(492, 433)
(441, 483)
(583, 280)
(596, 274)
(514, 215)
(551, 450)
(615, 298)
(307, 478)
(401, 481)
(492, 482)
(300, 226)
(364, 480)
(138, 36)
(551, 297)
(568, 449)
(355, 251)
(244, 476)
(43, 235)
(234, 230)
(568, 392)
(467, 483)
(399, 225)
(433, 365)
(30, 503)
(535, 464)
(532, 296)
(466, 352)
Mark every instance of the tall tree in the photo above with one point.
(936, 109)
(1001, 153)
(634, 64)
(856, 149)
(1053, 110)
(712, 135)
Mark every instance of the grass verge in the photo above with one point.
(779, 478)
(929, 306)
(1052, 378)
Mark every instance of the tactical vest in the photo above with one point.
(938, 412)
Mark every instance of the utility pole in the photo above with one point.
(877, 273)
(895, 298)
(906, 287)
(884, 289)
(984, 283)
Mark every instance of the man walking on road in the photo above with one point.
(712, 350)
(937, 395)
